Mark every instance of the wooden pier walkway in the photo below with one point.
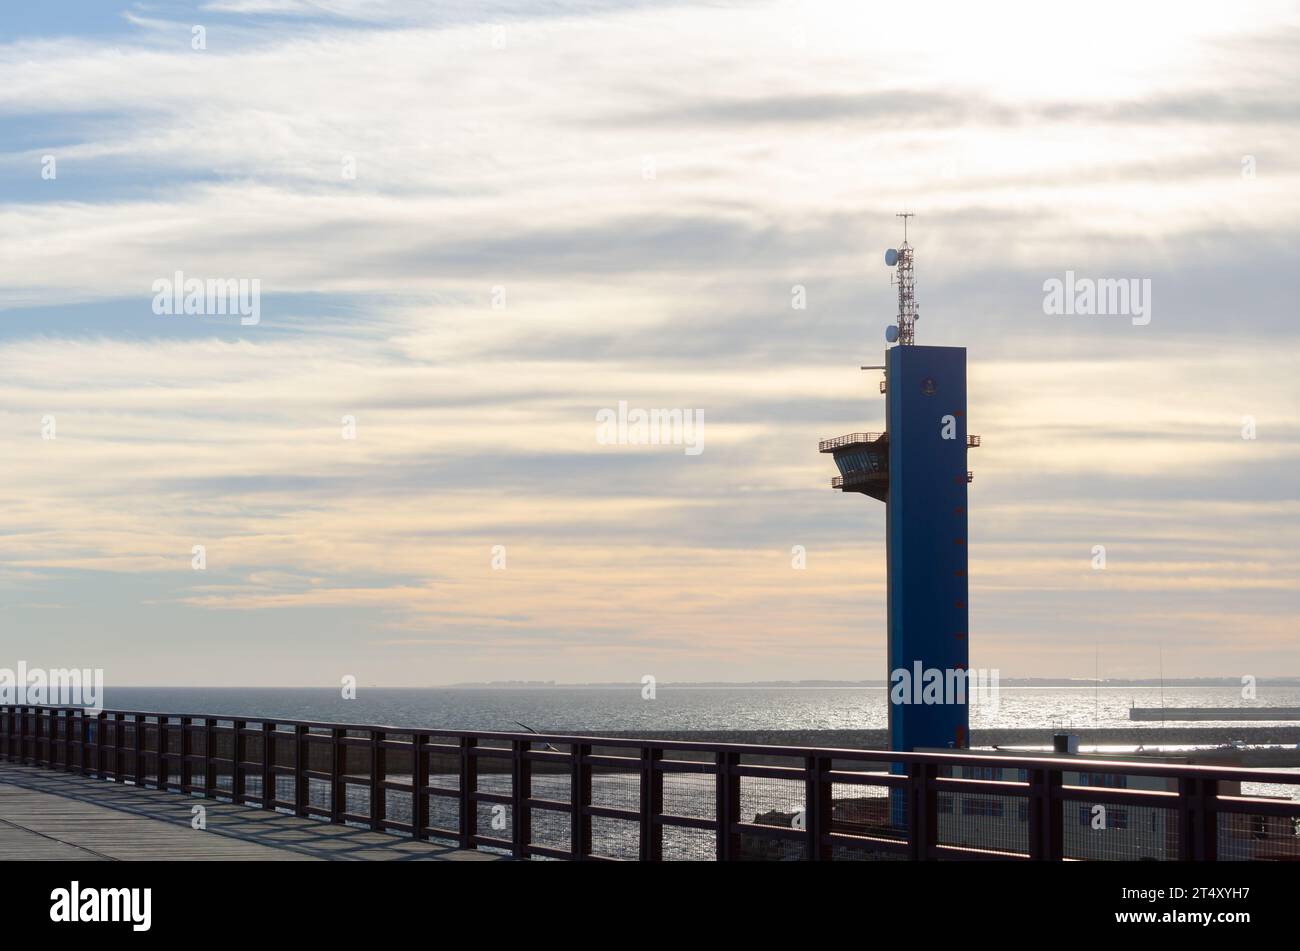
(51, 815)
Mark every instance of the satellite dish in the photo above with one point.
(891, 333)
(891, 257)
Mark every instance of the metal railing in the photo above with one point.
(826, 445)
(599, 798)
(858, 477)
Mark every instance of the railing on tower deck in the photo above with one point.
(592, 798)
(826, 445)
(858, 477)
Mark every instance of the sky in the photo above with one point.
(474, 226)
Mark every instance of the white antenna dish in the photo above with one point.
(891, 333)
(891, 257)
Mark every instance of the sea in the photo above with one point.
(580, 709)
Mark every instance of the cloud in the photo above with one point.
(614, 205)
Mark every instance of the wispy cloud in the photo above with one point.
(474, 229)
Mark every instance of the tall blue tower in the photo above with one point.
(917, 467)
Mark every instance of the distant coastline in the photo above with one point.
(841, 684)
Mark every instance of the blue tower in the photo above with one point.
(917, 467)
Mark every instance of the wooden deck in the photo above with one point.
(50, 815)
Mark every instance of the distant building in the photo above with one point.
(1114, 832)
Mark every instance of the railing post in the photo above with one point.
(652, 805)
(164, 754)
(83, 733)
(338, 768)
(209, 758)
(419, 786)
(301, 756)
(1046, 831)
(101, 756)
(119, 751)
(468, 824)
(268, 761)
(1198, 826)
(521, 789)
(817, 794)
(580, 800)
(378, 798)
(186, 751)
(236, 757)
(138, 721)
(727, 806)
(922, 810)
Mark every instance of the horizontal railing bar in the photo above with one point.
(548, 756)
(547, 852)
(685, 766)
(967, 853)
(1159, 798)
(491, 752)
(554, 805)
(686, 822)
(874, 842)
(610, 812)
(851, 778)
(613, 762)
(1286, 808)
(997, 787)
(771, 832)
(770, 772)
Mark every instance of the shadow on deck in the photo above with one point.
(48, 815)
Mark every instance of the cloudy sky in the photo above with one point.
(474, 225)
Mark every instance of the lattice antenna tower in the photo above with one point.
(904, 278)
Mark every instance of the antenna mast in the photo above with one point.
(906, 281)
